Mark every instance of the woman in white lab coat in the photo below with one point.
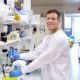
(52, 55)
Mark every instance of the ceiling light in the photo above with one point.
(16, 0)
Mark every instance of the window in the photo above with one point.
(68, 26)
(76, 28)
(67, 22)
(72, 25)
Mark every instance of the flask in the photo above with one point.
(16, 17)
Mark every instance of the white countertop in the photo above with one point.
(32, 76)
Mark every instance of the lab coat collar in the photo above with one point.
(59, 30)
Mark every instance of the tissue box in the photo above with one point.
(10, 78)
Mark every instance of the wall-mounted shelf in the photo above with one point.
(14, 41)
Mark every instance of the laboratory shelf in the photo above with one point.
(10, 22)
(22, 23)
(13, 41)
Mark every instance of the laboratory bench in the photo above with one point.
(35, 75)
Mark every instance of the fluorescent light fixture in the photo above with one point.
(16, 0)
(22, 5)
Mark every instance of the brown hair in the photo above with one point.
(54, 11)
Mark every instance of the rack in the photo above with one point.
(14, 41)
(19, 42)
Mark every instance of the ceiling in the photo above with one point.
(54, 2)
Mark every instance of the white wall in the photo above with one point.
(2, 1)
(62, 8)
(27, 5)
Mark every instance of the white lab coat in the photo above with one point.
(52, 56)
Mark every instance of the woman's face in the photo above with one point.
(52, 21)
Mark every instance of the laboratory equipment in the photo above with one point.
(16, 71)
(4, 36)
(3, 70)
(13, 54)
